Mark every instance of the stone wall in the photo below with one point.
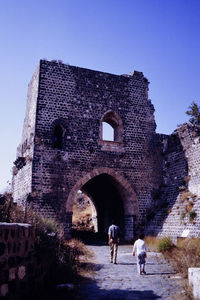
(16, 259)
(190, 139)
(151, 180)
(24, 268)
(78, 101)
(178, 199)
(22, 170)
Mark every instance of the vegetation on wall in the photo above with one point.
(192, 216)
(182, 215)
(194, 113)
(187, 199)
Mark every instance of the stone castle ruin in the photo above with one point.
(143, 179)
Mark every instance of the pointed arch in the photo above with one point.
(127, 192)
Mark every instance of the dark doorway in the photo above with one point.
(105, 192)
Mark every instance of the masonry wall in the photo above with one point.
(77, 99)
(21, 272)
(178, 196)
(190, 139)
(22, 170)
(153, 173)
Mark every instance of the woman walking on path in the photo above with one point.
(140, 250)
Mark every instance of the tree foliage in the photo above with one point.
(194, 112)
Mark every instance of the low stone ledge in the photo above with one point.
(16, 256)
(194, 281)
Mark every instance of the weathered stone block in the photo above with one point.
(194, 281)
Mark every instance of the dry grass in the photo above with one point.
(186, 293)
(78, 259)
(183, 256)
(186, 196)
(82, 218)
(78, 250)
(152, 243)
(79, 214)
(189, 206)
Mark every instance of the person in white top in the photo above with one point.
(140, 250)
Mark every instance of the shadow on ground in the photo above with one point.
(92, 291)
(89, 289)
(102, 294)
(90, 238)
(94, 238)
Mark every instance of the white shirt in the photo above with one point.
(139, 247)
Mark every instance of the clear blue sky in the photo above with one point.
(161, 38)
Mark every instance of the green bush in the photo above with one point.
(165, 244)
(194, 112)
(192, 215)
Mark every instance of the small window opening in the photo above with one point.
(107, 132)
(58, 137)
(111, 129)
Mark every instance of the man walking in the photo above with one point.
(113, 241)
(140, 250)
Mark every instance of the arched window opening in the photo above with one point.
(58, 137)
(111, 127)
(107, 132)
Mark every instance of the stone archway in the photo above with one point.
(113, 198)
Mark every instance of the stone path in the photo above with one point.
(122, 282)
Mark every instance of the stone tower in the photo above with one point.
(63, 149)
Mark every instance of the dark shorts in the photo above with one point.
(141, 258)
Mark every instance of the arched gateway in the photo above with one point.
(63, 148)
(113, 197)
